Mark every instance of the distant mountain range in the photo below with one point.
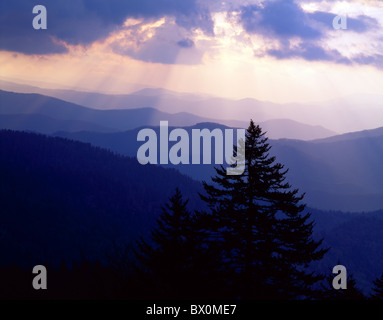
(378, 132)
(46, 124)
(342, 175)
(342, 172)
(290, 129)
(49, 113)
(112, 120)
(353, 113)
(345, 175)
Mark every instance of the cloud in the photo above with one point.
(17, 33)
(86, 21)
(309, 52)
(376, 60)
(293, 32)
(300, 34)
(186, 43)
(358, 24)
(286, 19)
(278, 19)
(166, 44)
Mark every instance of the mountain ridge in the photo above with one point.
(322, 170)
(343, 115)
(125, 119)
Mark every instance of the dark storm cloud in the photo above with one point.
(85, 21)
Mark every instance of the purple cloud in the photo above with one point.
(85, 21)
(285, 20)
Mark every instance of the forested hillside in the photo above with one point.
(60, 198)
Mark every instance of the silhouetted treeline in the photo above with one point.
(175, 268)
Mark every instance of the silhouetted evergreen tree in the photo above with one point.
(170, 266)
(261, 240)
(377, 289)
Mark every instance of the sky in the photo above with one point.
(274, 50)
